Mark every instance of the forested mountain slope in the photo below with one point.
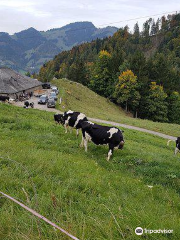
(139, 70)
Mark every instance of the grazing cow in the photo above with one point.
(71, 119)
(101, 135)
(26, 104)
(4, 98)
(177, 149)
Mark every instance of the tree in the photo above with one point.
(153, 28)
(155, 105)
(158, 25)
(63, 70)
(136, 30)
(146, 30)
(160, 70)
(28, 74)
(124, 66)
(126, 91)
(78, 72)
(174, 108)
(138, 64)
(102, 81)
(136, 33)
(164, 25)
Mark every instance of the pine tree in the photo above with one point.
(153, 28)
(78, 72)
(102, 80)
(174, 108)
(158, 25)
(155, 105)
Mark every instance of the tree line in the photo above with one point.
(139, 71)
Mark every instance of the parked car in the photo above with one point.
(46, 85)
(55, 89)
(53, 95)
(43, 99)
(51, 103)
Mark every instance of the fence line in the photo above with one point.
(39, 215)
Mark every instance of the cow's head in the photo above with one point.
(121, 144)
(59, 118)
(178, 143)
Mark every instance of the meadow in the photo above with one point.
(77, 97)
(46, 169)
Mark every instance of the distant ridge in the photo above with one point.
(29, 49)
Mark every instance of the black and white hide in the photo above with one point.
(177, 148)
(58, 118)
(71, 119)
(101, 135)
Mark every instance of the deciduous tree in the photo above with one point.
(126, 91)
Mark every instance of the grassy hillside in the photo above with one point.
(82, 192)
(77, 97)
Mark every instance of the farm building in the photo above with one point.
(13, 84)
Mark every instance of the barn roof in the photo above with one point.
(13, 82)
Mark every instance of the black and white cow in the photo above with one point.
(71, 119)
(101, 135)
(177, 148)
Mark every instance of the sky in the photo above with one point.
(17, 15)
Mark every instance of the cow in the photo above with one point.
(71, 119)
(26, 104)
(4, 98)
(177, 148)
(101, 135)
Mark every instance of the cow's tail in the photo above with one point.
(169, 142)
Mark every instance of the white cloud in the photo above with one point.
(17, 15)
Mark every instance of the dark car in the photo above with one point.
(46, 85)
(43, 99)
(53, 95)
(51, 103)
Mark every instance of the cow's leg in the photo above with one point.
(85, 144)
(70, 129)
(111, 148)
(82, 142)
(66, 128)
(77, 132)
(176, 151)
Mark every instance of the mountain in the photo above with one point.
(29, 49)
(139, 70)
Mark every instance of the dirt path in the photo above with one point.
(44, 107)
(134, 128)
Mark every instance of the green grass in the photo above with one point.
(82, 192)
(79, 98)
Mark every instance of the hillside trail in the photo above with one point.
(44, 107)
